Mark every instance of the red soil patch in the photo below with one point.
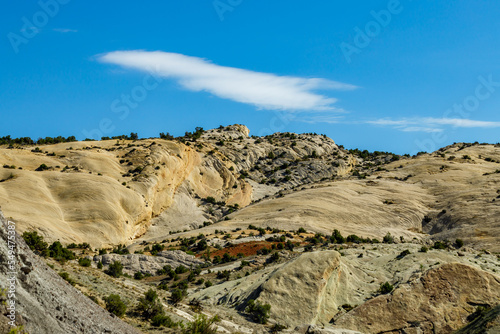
(247, 248)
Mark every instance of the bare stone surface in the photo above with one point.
(439, 301)
(133, 263)
(47, 304)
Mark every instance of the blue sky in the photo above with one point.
(401, 76)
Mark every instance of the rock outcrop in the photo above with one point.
(486, 322)
(133, 263)
(45, 303)
(304, 290)
(438, 302)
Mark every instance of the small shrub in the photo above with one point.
(386, 288)
(277, 328)
(161, 320)
(177, 296)
(202, 325)
(259, 312)
(59, 253)
(36, 243)
(84, 262)
(224, 275)
(66, 277)
(150, 305)
(459, 243)
(115, 269)
(42, 167)
(424, 249)
(388, 238)
(440, 245)
(115, 305)
(403, 254)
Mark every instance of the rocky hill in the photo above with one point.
(112, 191)
(287, 232)
(115, 191)
(44, 302)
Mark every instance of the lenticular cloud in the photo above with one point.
(263, 90)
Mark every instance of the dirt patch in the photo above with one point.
(247, 249)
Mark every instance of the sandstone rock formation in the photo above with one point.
(438, 302)
(133, 263)
(487, 322)
(45, 303)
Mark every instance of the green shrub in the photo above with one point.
(403, 254)
(386, 288)
(115, 305)
(42, 167)
(210, 200)
(66, 277)
(150, 305)
(388, 238)
(274, 257)
(161, 320)
(259, 312)
(61, 254)
(138, 275)
(459, 243)
(177, 296)
(115, 269)
(120, 249)
(181, 269)
(336, 237)
(84, 262)
(36, 243)
(277, 328)
(157, 248)
(99, 265)
(424, 249)
(202, 325)
(208, 284)
(440, 245)
(224, 275)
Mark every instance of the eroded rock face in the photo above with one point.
(304, 290)
(486, 323)
(45, 303)
(438, 302)
(133, 263)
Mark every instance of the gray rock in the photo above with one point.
(45, 303)
(133, 263)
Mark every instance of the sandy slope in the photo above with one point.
(116, 191)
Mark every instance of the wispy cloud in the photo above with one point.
(263, 90)
(64, 30)
(319, 118)
(430, 124)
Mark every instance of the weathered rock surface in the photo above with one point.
(47, 304)
(150, 264)
(486, 323)
(438, 302)
(304, 290)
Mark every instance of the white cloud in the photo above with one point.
(421, 129)
(430, 124)
(263, 90)
(64, 30)
(463, 123)
(319, 118)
